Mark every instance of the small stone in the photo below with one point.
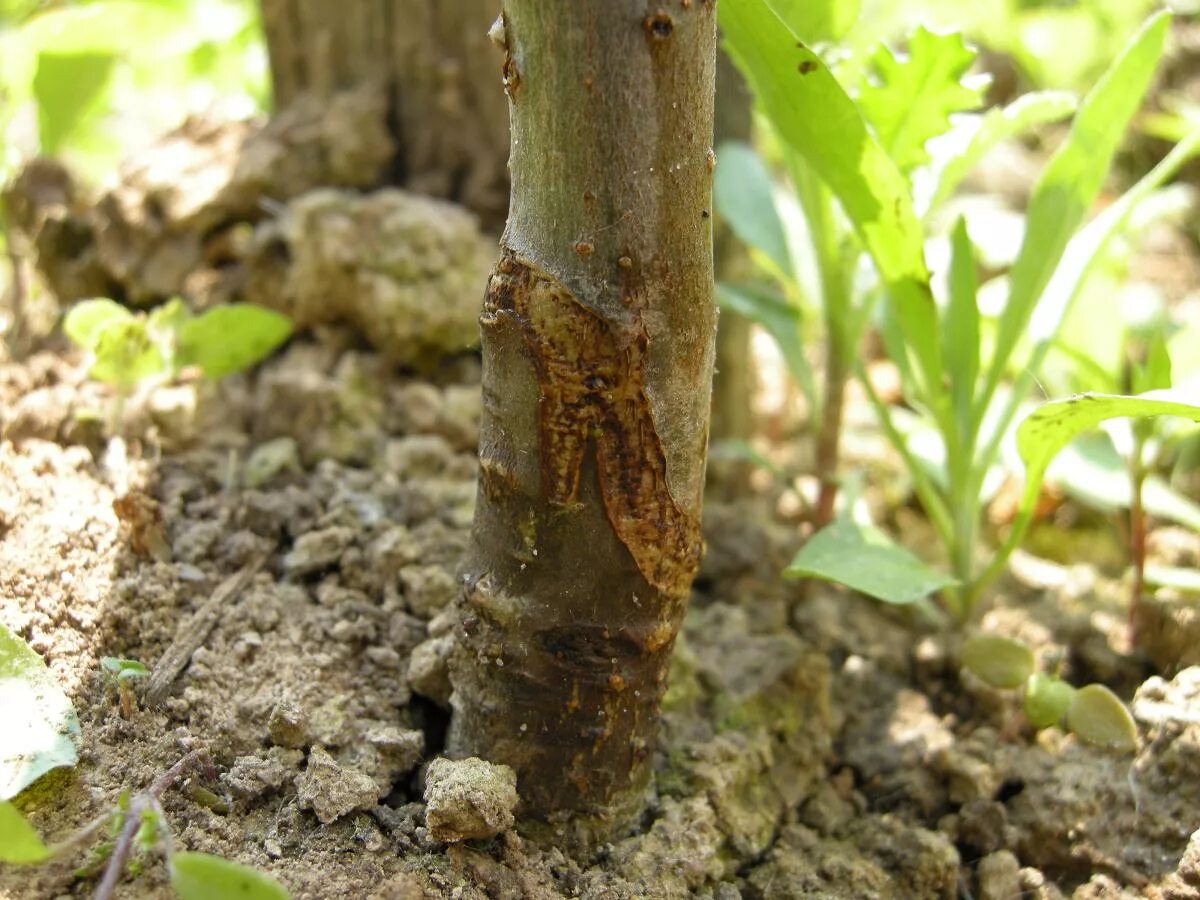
(317, 550)
(981, 825)
(429, 670)
(468, 798)
(999, 876)
(332, 791)
(427, 589)
(287, 724)
(255, 775)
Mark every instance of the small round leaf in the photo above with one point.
(1046, 699)
(998, 661)
(1098, 716)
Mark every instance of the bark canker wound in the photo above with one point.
(591, 380)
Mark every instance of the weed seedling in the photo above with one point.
(138, 826)
(122, 673)
(966, 377)
(1093, 712)
(140, 351)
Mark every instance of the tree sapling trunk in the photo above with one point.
(598, 343)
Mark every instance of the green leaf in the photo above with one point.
(914, 97)
(228, 339)
(1099, 717)
(1046, 700)
(778, 318)
(960, 336)
(86, 320)
(19, 843)
(742, 195)
(1071, 180)
(995, 127)
(40, 727)
(998, 661)
(865, 559)
(202, 876)
(814, 115)
(815, 21)
(67, 86)
(124, 669)
(1087, 245)
(126, 354)
(1053, 425)
(1092, 472)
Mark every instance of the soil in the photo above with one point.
(291, 539)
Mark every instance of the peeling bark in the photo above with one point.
(598, 344)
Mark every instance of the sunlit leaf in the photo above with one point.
(1053, 425)
(960, 336)
(815, 116)
(865, 559)
(998, 661)
(126, 354)
(230, 338)
(742, 195)
(67, 87)
(1071, 180)
(87, 319)
(19, 843)
(814, 21)
(914, 96)
(40, 727)
(997, 126)
(201, 876)
(1099, 717)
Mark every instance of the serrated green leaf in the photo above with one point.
(67, 87)
(996, 660)
(773, 313)
(19, 843)
(997, 126)
(815, 21)
(1099, 717)
(865, 559)
(40, 725)
(202, 876)
(814, 115)
(228, 339)
(1053, 425)
(960, 336)
(1071, 180)
(1046, 700)
(84, 322)
(914, 97)
(742, 195)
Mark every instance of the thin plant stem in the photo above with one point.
(935, 506)
(147, 799)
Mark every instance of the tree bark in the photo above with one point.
(433, 60)
(598, 343)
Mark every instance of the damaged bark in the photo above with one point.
(598, 344)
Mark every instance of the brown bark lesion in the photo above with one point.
(591, 380)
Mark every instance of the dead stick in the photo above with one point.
(193, 633)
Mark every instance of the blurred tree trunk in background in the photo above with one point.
(733, 383)
(440, 73)
(598, 344)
